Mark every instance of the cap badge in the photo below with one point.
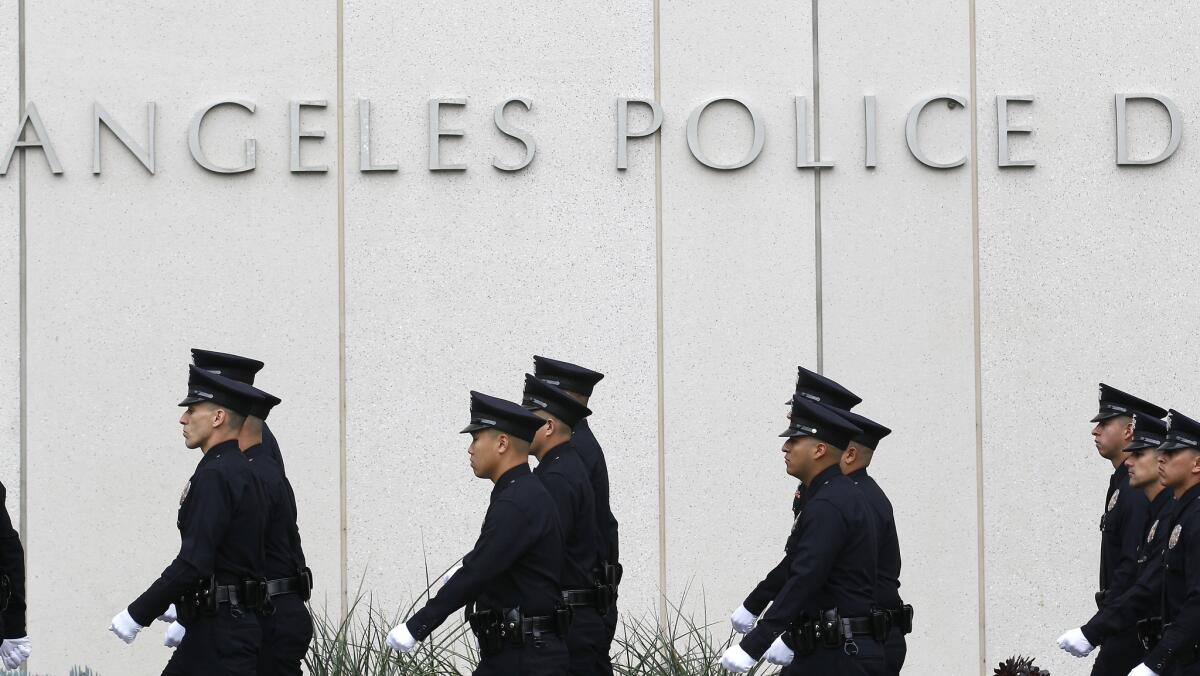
(1169, 419)
(1153, 530)
(186, 489)
(200, 393)
(1112, 502)
(1175, 536)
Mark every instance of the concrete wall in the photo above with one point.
(974, 308)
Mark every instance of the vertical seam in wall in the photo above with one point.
(341, 148)
(976, 322)
(658, 279)
(817, 265)
(23, 344)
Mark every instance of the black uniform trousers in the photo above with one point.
(549, 659)
(896, 649)
(610, 624)
(286, 634)
(587, 644)
(225, 644)
(870, 660)
(1119, 654)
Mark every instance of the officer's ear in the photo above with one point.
(820, 450)
(1128, 431)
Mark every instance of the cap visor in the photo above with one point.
(474, 427)
(1139, 446)
(1173, 446)
(1104, 415)
(793, 432)
(188, 401)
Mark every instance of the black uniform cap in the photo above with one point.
(204, 386)
(565, 375)
(488, 412)
(811, 419)
(542, 396)
(1182, 432)
(1114, 402)
(873, 432)
(241, 369)
(816, 387)
(1148, 432)
(263, 405)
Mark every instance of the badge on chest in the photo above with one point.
(1175, 533)
(1153, 530)
(1112, 502)
(183, 496)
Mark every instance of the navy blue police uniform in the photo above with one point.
(213, 581)
(1136, 610)
(12, 575)
(582, 381)
(1121, 527)
(566, 479)
(831, 582)
(510, 581)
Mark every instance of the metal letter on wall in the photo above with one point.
(436, 132)
(623, 133)
(364, 140)
(297, 134)
(910, 132)
(1004, 128)
(144, 155)
(521, 135)
(198, 151)
(693, 136)
(1123, 131)
(802, 159)
(872, 131)
(33, 119)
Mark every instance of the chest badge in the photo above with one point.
(1112, 502)
(183, 496)
(1153, 530)
(1175, 536)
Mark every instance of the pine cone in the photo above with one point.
(1019, 666)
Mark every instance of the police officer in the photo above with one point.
(810, 386)
(889, 608)
(287, 627)
(1123, 523)
(1135, 607)
(567, 481)
(1178, 651)
(15, 648)
(510, 581)
(580, 382)
(214, 578)
(830, 587)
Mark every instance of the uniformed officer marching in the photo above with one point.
(16, 647)
(580, 382)
(1177, 653)
(510, 582)
(215, 579)
(1123, 523)
(566, 479)
(1135, 607)
(287, 627)
(827, 599)
(810, 386)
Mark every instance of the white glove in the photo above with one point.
(743, 620)
(1075, 643)
(400, 640)
(779, 653)
(736, 660)
(125, 627)
(450, 573)
(169, 616)
(1142, 670)
(14, 652)
(174, 635)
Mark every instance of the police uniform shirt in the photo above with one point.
(1142, 599)
(516, 562)
(566, 480)
(592, 457)
(1124, 521)
(887, 579)
(221, 523)
(284, 555)
(1181, 586)
(833, 564)
(271, 446)
(12, 564)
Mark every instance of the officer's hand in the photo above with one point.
(1075, 643)
(174, 635)
(450, 573)
(736, 660)
(1142, 670)
(400, 640)
(125, 627)
(169, 616)
(14, 652)
(779, 653)
(743, 620)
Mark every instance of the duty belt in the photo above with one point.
(831, 630)
(1150, 633)
(901, 618)
(510, 627)
(301, 584)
